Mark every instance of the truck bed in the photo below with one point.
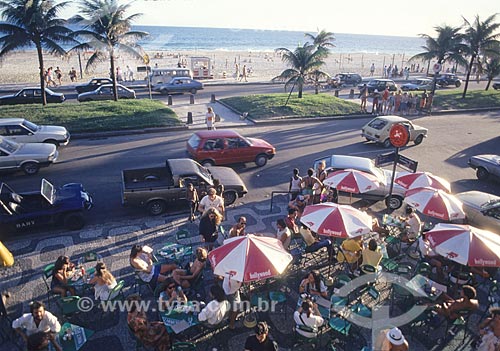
(158, 177)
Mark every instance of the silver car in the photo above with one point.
(482, 209)
(485, 166)
(23, 131)
(26, 157)
(105, 92)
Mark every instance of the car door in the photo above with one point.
(245, 151)
(37, 96)
(233, 151)
(209, 150)
(7, 160)
(25, 97)
(19, 134)
(411, 129)
(105, 93)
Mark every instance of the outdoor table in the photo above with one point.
(175, 252)
(178, 320)
(393, 225)
(79, 337)
(78, 281)
(421, 285)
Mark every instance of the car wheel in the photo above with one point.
(157, 207)
(193, 91)
(52, 141)
(31, 168)
(395, 203)
(261, 160)
(387, 143)
(367, 139)
(164, 91)
(458, 84)
(208, 163)
(229, 198)
(419, 139)
(482, 173)
(74, 221)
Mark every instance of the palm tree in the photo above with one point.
(303, 61)
(492, 69)
(34, 22)
(108, 31)
(481, 38)
(447, 46)
(315, 79)
(323, 40)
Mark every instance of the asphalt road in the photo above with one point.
(97, 163)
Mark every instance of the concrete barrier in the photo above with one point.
(169, 100)
(189, 118)
(191, 99)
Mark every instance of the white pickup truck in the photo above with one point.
(339, 162)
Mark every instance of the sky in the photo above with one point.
(397, 18)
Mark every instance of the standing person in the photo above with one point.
(72, 74)
(103, 282)
(193, 200)
(321, 174)
(211, 200)
(219, 187)
(38, 321)
(375, 99)
(129, 74)
(363, 94)
(58, 73)
(209, 225)
(372, 69)
(390, 104)
(239, 228)
(308, 183)
(232, 290)
(244, 73)
(397, 101)
(260, 341)
(237, 68)
(423, 100)
(385, 100)
(404, 104)
(295, 186)
(119, 74)
(210, 118)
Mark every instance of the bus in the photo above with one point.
(164, 75)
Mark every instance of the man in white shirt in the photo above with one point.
(38, 320)
(232, 290)
(211, 200)
(308, 316)
(215, 311)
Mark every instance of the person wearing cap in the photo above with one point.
(260, 341)
(376, 97)
(391, 340)
(211, 200)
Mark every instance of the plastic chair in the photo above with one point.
(183, 346)
(300, 339)
(69, 306)
(90, 256)
(47, 276)
(462, 322)
(139, 283)
(278, 297)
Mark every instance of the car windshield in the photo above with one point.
(47, 90)
(205, 172)
(491, 203)
(377, 124)
(194, 141)
(247, 140)
(8, 145)
(31, 126)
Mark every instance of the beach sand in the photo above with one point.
(22, 66)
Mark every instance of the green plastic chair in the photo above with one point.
(184, 346)
(47, 276)
(69, 305)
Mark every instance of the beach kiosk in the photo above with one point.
(201, 67)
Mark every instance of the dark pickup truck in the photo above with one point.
(64, 205)
(160, 187)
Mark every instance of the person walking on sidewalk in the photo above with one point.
(210, 118)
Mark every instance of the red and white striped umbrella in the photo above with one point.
(466, 244)
(341, 221)
(421, 180)
(352, 181)
(435, 203)
(248, 258)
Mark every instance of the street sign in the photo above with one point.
(385, 159)
(403, 161)
(437, 67)
(399, 135)
(407, 163)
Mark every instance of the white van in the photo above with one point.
(164, 75)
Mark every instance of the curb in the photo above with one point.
(113, 133)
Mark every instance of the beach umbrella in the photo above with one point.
(421, 180)
(465, 244)
(435, 203)
(250, 258)
(352, 181)
(341, 221)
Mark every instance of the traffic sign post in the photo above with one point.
(399, 136)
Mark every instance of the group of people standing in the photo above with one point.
(388, 102)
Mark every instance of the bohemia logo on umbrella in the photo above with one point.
(260, 275)
(451, 255)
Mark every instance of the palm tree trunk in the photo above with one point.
(42, 78)
(489, 82)
(300, 91)
(473, 57)
(113, 77)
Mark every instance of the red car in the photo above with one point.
(222, 147)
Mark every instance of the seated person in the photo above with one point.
(39, 342)
(391, 340)
(467, 301)
(103, 282)
(260, 341)
(283, 234)
(314, 243)
(371, 255)
(299, 204)
(151, 334)
(376, 227)
(141, 260)
(489, 330)
(62, 272)
(239, 228)
(291, 221)
(308, 315)
(217, 309)
(430, 256)
(351, 251)
(413, 225)
(312, 284)
(185, 277)
(172, 292)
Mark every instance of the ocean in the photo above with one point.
(220, 39)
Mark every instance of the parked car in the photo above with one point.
(26, 157)
(496, 85)
(31, 96)
(485, 166)
(481, 209)
(92, 85)
(349, 79)
(378, 130)
(445, 79)
(340, 162)
(25, 210)
(380, 85)
(222, 147)
(179, 85)
(23, 131)
(419, 84)
(105, 92)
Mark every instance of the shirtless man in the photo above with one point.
(467, 301)
(489, 330)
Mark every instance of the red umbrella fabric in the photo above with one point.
(421, 180)
(352, 181)
(435, 203)
(341, 221)
(249, 258)
(466, 244)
